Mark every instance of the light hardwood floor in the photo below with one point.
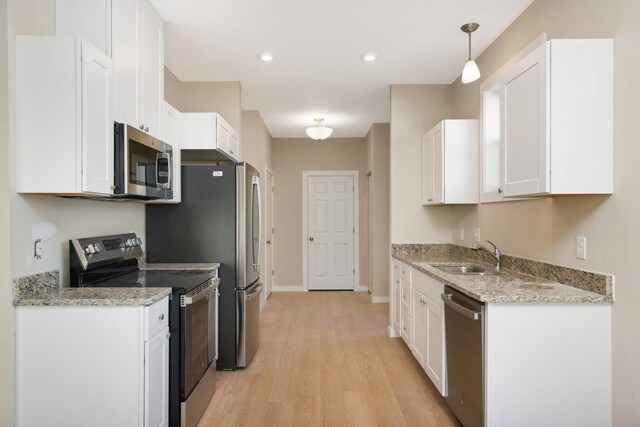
(325, 360)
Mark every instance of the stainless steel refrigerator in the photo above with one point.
(218, 220)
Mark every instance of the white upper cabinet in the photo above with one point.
(151, 68)
(135, 41)
(547, 120)
(172, 135)
(209, 131)
(64, 107)
(450, 163)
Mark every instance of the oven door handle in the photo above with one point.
(186, 300)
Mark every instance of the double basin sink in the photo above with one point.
(466, 269)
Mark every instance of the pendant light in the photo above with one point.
(470, 73)
(319, 131)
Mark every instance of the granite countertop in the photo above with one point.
(43, 289)
(510, 286)
(143, 265)
(95, 297)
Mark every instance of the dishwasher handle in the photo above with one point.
(473, 315)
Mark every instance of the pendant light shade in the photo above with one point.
(319, 131)
(470, 72)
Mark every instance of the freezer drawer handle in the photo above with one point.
(254, 294)
(473, 315)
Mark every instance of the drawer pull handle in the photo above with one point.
(161, 317)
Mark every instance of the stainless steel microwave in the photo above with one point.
(143, 165)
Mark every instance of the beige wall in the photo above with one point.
(378, 163)
(203, 97)
(414, 110)
(546, 229)
(292, 156)
(257, 146)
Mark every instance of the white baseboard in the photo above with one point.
(289, 289)
(393, 333)
(263, 304)
(379, 300)
(362, 289)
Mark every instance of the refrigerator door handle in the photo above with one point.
(255, 190)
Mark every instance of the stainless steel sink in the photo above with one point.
(465, 269)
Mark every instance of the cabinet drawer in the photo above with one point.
(156, 318)
(405, 272)
(405, 294)
(428, 286)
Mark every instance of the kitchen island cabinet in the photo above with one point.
(84, 362)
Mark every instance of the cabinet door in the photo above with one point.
(434, 357)
(151, 66)
(419, 326)
(395, 294)
(156, 380)
(171, 134)
(97, 121)
(427, 170)
(234, 144)
(125, 62)
(525, 149)
(437, 142)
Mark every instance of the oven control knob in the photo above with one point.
(96, 248)
(138, 241)
(87, 250)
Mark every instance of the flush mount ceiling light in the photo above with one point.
(266, 57)
(319, 131)
(369, 57)
(470, 73)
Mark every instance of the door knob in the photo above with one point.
(311, 239)
(268, 242)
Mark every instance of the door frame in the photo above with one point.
(268, 214)
(356, 223)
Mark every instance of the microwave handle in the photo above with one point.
(162, 156)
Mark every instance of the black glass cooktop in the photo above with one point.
(177, 279)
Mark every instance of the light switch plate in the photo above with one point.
(476, 235)
(581, 247)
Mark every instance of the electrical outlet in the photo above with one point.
(37, 249)
(462, 234)
(581, 247)
(476, 235)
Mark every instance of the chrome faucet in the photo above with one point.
(495, 254)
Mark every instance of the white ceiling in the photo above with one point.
(317, 46)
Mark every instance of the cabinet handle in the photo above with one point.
(168, 335)
(500, 190)
(146, 129)
(141, 127)
(161, 317)
(231, 151)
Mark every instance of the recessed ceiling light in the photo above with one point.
(369, 57)
(266, 57)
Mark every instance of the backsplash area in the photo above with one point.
(35, 284)
(600, 283)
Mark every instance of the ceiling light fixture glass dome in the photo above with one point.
(319, 131)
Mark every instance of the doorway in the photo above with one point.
(330, 230)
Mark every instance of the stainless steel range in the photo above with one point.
(112, 261)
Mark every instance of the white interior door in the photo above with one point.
(268, 251)
(330, 232)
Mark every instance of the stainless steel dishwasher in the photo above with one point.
(464, 329)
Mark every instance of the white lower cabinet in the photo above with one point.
(420, 315)
(395, 297)
(92, 365)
